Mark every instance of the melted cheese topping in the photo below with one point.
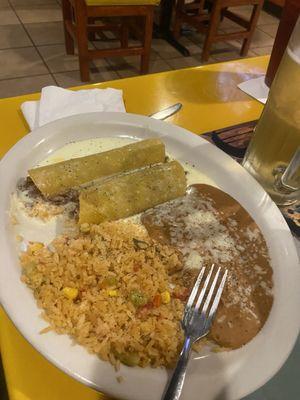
(33, 229)
(91, 146)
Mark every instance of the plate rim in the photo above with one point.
(144, 122)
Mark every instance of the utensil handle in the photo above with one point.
(175, 385)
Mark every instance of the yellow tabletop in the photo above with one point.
(209, 95)
(211, 100)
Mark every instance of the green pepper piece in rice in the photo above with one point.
(138, 299)
(129, 358)
(140, 244)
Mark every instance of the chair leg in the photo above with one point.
(201, 7)
(145, 58)
(212, 30)
(177, 19)
(82, 39)
(222, 13)
(91, 35)
(253, 23)
(124, 33)
(67, 16)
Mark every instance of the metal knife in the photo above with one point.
(167, 112)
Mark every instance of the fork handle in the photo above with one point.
(175, 385)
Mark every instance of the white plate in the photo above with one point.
(229, 375)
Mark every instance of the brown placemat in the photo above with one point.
(233, 141)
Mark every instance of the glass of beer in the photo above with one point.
(273, 155)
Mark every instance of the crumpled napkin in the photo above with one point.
(56, 103)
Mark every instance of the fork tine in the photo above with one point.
(216, 301)
(195, 288)
(210, 293)
(195, 325)
(193, 295)
(203, 290)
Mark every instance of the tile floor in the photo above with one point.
(32, 53)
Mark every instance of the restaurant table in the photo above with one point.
(211, 100)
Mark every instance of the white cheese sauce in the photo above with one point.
(85, 148)
(33, 229)
(91, 146)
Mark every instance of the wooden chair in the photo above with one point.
(207, 21)
(80, 17)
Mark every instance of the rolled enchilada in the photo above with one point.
(131, 193)
(58, 178)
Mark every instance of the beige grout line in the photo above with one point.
(108, 62)
(25, 76)
(49, 44)
(266, 33)
(172, 68)
(16, 48)
(33, 44)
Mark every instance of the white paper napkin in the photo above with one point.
(56, 103)
(256, 88)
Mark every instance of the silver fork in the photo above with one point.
(196, 324)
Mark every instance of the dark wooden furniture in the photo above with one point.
(164, 30)
(274, 7)
(290, 14)
(207, 20)
(80, 17)
(279, 3)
